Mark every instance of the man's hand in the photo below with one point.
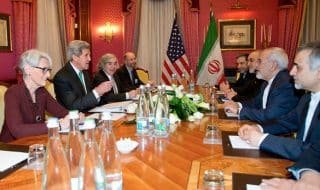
(244, 131)
(151, 82)
(230, 94)
(224, 86)
(231, 107)
(277, 184)
(65, 122)
(103, 87)
(132, 93)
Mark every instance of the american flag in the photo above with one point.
(176, 60)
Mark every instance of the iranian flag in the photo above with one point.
(210, 66)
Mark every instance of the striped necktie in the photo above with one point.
(114, 85)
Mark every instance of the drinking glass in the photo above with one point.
(213, 180)
(36, 156)
(212, 135)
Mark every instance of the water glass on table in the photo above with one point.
(213, 180)
(212, 135)
(36, 156)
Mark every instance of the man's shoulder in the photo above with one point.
(64, 72)
(121, 72)
(283, 78)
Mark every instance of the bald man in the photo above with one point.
(127, 74)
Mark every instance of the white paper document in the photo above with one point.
(11, 158)
(114, 116)
(238, 143)
(112, 107)
(231, 114)
(253, 187)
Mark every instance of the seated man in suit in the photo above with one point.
(108, 65)
(304, 119)
(127, 74)
(251, 88)
(277, 95)
(306, 170)
(242, 66)
(72, 83)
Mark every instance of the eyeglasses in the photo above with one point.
(44, 69)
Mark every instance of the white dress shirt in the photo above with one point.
(114, 85)
(266, 92)
(315, 98)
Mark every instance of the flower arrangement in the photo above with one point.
(184, 106)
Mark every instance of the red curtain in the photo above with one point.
(129, 9)
(290, 19)
(24, 19)
(70, 15)
(190, 17)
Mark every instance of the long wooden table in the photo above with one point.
(177, 162)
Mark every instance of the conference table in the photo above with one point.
(176, 162)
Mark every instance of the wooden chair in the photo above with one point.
(3, 90)
(143, 75)
(50, 88)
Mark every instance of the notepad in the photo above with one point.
(238, 143)
(112, 107)
(9, 159)
(253, 187)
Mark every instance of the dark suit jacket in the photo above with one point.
(282, 98)
(249, 88)
(309, 158)
(125, 80)
(70, 92)
(292, 122)
(241, 80)
(100, 77)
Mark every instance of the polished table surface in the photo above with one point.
(177, 162)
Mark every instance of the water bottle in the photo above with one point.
(92, 174)
(142, 113)
(56, 173)
(191, 82)
(174, 80)
(110, 155)
(105, 122)
(151, 108)
(74, 147)
(184, 81)
(162, 123)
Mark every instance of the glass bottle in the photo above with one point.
(174, 80)
(74, 147)
(105, 121)
(56, 173)
(162, 114)
(91, 167)
(142, 113)
(151, 108)
(191, 82)
(110, 156)
(184, 81)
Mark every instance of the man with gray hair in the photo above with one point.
(72, 83)
(304, 119)
(277, 95)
